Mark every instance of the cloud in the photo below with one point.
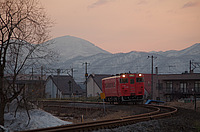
(142, 2)
(190, 4)
(99, 3)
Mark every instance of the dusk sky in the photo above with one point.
(128, 25)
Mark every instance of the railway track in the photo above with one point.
(158, 112)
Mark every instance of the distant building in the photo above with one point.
(61, 86)
(172, 87)
(94, 84)
(147, 86)
(33, 85)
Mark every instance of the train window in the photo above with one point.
(124, 80)
(109, 85)
(140, 79)
(132, 81)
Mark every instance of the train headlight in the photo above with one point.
(123, 75)
(140, 75)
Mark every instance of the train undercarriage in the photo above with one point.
(121, 99)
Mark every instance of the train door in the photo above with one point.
(132, 84)
(124, 85)
(139, 88)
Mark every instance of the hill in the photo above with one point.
(69, 47)
(75, 51)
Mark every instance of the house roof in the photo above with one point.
(64, 83)
(179, 77)
(98, 78)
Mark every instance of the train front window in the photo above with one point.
(124, 80)
(132, 81)
(140, 79)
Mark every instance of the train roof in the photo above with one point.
(110, 77)
(118, 75)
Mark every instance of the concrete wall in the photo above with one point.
(92, 88)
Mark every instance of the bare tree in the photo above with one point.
(24, 31)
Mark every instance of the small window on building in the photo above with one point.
(197, 86)
(183, 87)
(169, 86)
(159, 86)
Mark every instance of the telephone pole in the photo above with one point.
(86, 75)
(72, 74)
(152, 57)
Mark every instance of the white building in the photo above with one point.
(94, 84)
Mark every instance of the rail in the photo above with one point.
(159, 112)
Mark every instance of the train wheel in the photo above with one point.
(119, 100)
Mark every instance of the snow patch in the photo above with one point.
(39, 119)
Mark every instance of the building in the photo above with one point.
(94, 84)
(32, 86)
(147, 86)
(61, 86)
(171, 87)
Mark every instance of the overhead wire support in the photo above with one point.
(194, 65)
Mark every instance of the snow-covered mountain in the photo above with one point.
(192, 50)
(75, 51)
(69, 47)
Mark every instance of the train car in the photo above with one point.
(124, 87)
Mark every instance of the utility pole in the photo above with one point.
(86, 75)
(191, 67)
(42, 72)
(41, 83)
(32, 74)
(32, 80)
(72, 74)
(152, 57)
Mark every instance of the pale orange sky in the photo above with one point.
(128, 25)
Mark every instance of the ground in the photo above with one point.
(90, 114)
(185, 120)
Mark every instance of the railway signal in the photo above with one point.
(103, 97)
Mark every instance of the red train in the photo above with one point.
(124, 87)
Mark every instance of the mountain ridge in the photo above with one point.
(103, 62)
(69, 47)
